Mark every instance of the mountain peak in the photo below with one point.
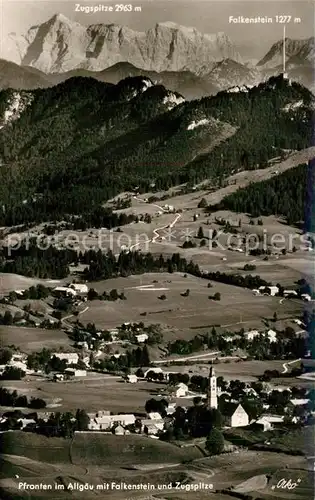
(61, 45)
(59, 18)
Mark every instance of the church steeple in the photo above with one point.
(212, 399)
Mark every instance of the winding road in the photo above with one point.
(285, 365)
(156, 231)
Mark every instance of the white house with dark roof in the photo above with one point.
(234, 415)
(71, 358)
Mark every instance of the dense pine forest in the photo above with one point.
(290, 194)
(80, 143)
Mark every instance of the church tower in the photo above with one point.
(212, 398)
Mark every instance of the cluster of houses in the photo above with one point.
(71, 358)
(152, 424)
(273, 290)
(18, 361)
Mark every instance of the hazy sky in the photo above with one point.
(208, 16)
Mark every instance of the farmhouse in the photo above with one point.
(181, 390)
(293, 403)
(171, 408)
(119, 431)
(141, 337)
(80, 288)
(152, 426)
(234, 415)
(290, 293)
(267, 422)
(270, 290)
(62, 291)
(154, 415)
(26, 421)
(272, 336)
(72, 358)
(102, 423)
(75, 373)
(132, 379)
(250, 335)
(306, 297)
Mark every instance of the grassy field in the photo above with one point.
(238, 306)
(10, 282)
(242, 370)
(89, 449)
(93, 393)
(33, 339)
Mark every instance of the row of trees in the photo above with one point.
(12, 398)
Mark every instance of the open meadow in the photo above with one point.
(238, 306)
(29, 339)
(94, 392)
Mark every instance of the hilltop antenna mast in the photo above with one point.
(283, 53)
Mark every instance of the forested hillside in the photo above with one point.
(74, 146)
(290, 194)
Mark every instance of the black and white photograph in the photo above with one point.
(157, 250)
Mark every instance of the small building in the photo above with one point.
(270, 290)
(154, 415)
(249, 391)
(267, 422)
(141, 337)
(250, 335)
(132, 379)
(119, 431)
(306, 297)
(290, 293)
(63, 291)
(106, 422)
(79, 288)
(72, 372)
(181, 390)
(170, 410)
(294, 403)
(234, 415)
(152, 426)
(26, 421)
(272, 336)
(151, 429)
(71, 358)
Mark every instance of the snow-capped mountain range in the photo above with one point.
(181, 58)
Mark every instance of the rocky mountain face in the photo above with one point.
(61, 45)
(298, 52)
(180, 58)
(228, 73)
(77, 144)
